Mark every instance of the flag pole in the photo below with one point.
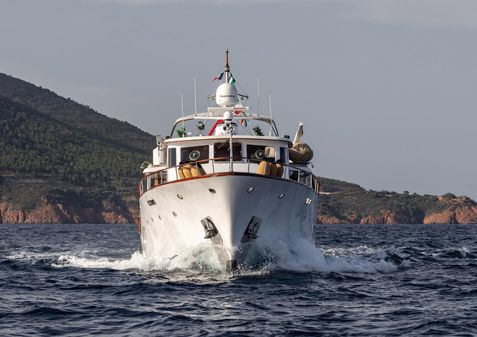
(270, 104)
(195, 95)
(258, 95)
(182, 113)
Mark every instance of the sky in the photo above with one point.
(387, 89)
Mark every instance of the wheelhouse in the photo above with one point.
(196, 157)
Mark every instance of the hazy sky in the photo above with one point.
(387, 89)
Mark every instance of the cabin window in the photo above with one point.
(260, 152)
(222, 151)
(195, 153)
(172, 157)
(255, 152)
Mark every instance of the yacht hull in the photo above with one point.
(233, 211)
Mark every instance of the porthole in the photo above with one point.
(250, 189)
(151, 202)
(281, 195)
(211, 190)
(259, 154)
(194, 155)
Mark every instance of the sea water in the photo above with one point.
(362, 280)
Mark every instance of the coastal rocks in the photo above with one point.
(445, 217)
(455, 210)
(114, 217)
(383, 217)
(467, 215)
(459, 215)
(392, 217)
(370, 207)
(386, 218)
(60, 213)
(10, 216)
(329, 220)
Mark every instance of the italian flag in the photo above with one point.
(232, 79)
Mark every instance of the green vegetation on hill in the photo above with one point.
(32, 142)
(54, 150)
(78, 116)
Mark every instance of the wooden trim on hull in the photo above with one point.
(223, 174)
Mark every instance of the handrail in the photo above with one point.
(160, 176)
(207, 116)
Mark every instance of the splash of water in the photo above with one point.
(200, 258)
(301, 257)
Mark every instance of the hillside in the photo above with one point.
(342, 202)
(32, 142)
(75, 115)
(62, 162)
(55, 169)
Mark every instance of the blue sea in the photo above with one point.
(376, 280)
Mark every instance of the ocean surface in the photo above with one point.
(376, 280)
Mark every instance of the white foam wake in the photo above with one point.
(200, 258)
(301, 257)
(305, 257)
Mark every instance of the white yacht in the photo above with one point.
(227, 177)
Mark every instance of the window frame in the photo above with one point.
(237, 146)
(203, 153)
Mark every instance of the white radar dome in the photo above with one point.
(226, 95)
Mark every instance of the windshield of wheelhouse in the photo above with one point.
(222, 151)
(207, 127)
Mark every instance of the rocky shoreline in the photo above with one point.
(464, 215)
(51, 213)
(48, 212)
(42, 198)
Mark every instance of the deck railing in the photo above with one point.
(212, 166)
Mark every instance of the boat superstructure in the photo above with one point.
(227, 177)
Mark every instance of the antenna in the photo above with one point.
(182, 113)
(195, 95)
(227, 68)
(258, 95)
(270, 104)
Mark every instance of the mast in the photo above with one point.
(227, 68)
